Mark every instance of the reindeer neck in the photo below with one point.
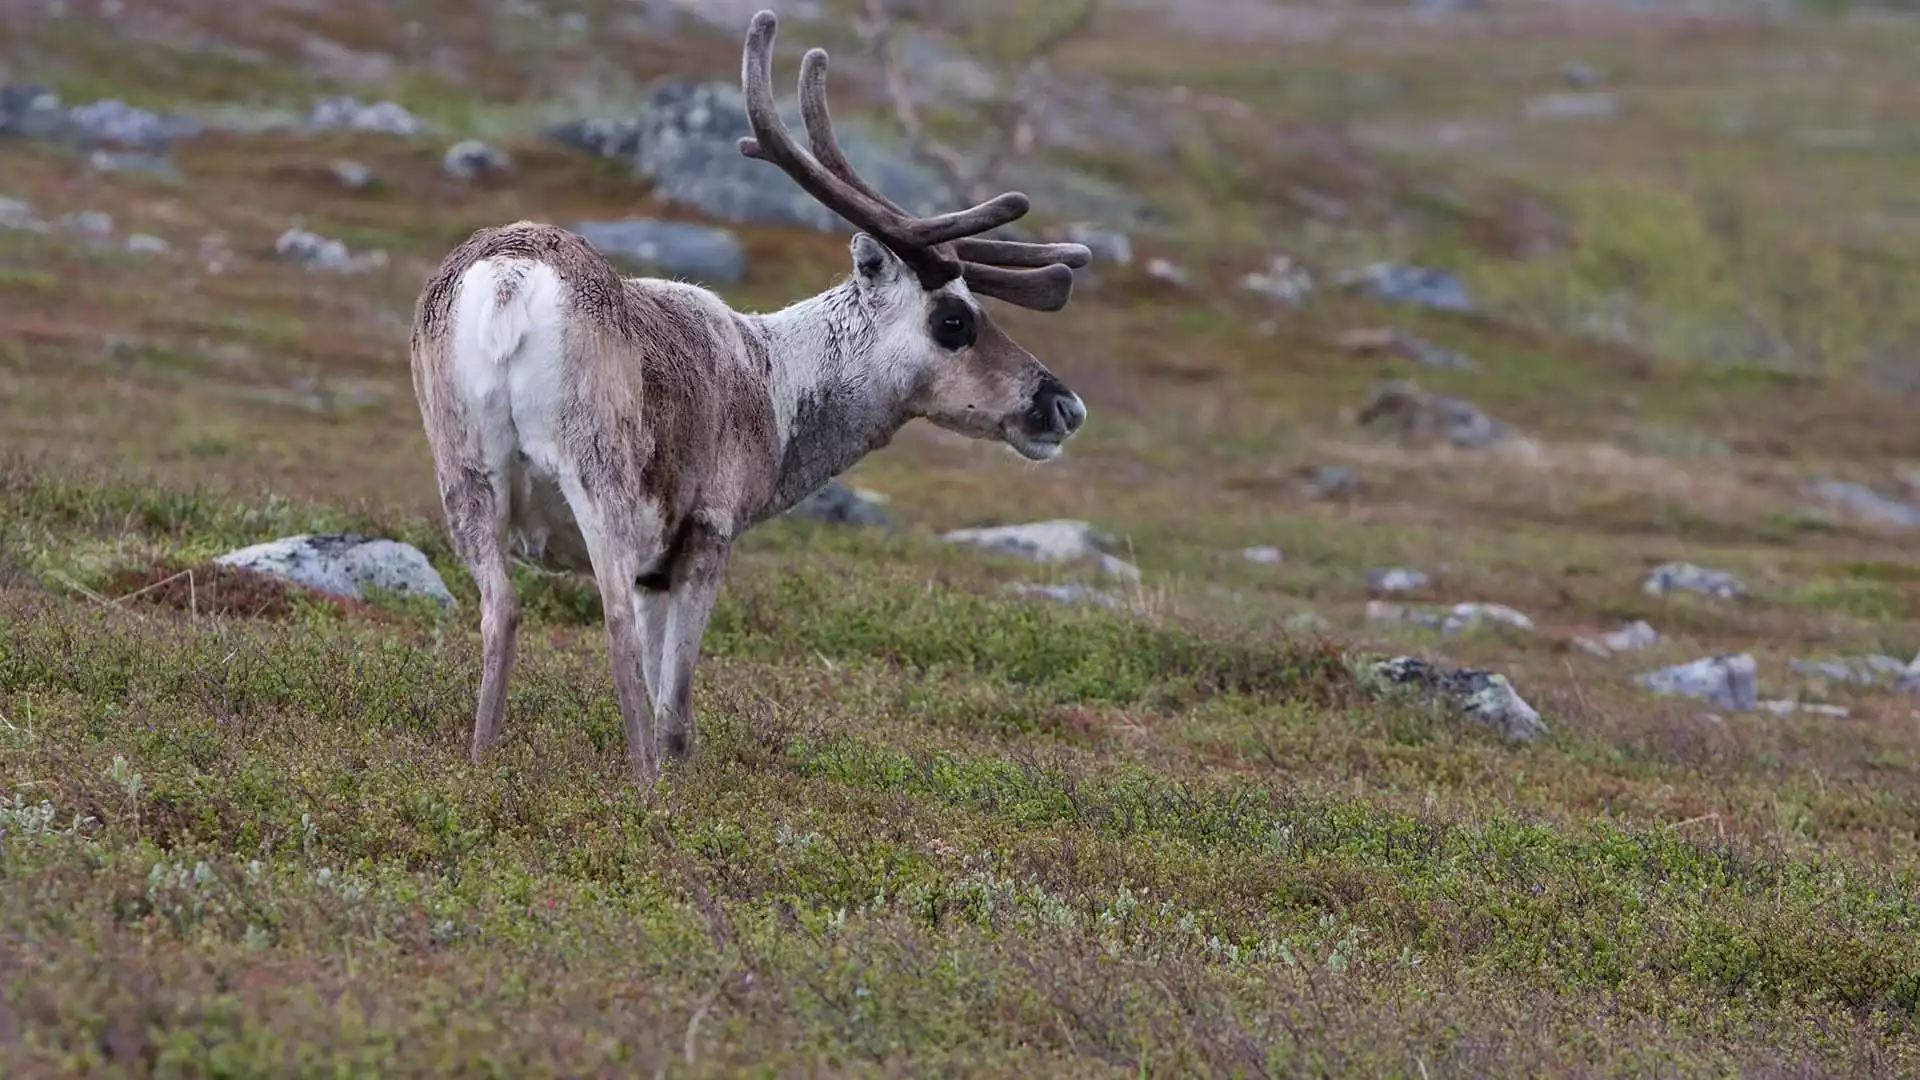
(830, 410)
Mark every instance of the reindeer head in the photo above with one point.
(924, 277)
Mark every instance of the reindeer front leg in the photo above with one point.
(698, 569)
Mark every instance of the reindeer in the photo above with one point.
(634, 428)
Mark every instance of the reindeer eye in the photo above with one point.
(952, 324)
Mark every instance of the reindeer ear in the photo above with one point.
(872, 261)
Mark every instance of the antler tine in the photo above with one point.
(773, 143)
(1016, 253)
(1043, 289)
(819, 125)
(940, 229)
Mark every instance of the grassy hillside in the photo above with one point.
(935, 827)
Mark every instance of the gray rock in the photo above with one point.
(316, 252)
(1594, 106)
(1283, 280)
(116, 122)
(1787, 707)
(1418, 285)
(1415, 416)
(1329, 482)
(1382, 611)
(1394, 340)
(605, 136)
(146, 244)
(1632, 637)
(680, 249)
(1058, 541)
(19, 216)
(1909, 680)
(1481, 695)
(345, 564)
(1852, 670)
(689, 149)
(1108, 245)
(32, 111)
(91, 223)
(1580, 74)
(1728, 682)
(1263, 555)
(353, 175)
(1471, 616)
(342, 113)
(471, 159)
(1071, 594)
(1172, 273)
(1686, 577)
(837, 504)
(1866, 503)
(1396, 579)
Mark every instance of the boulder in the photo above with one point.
(1686, 577)
(1632, 637)
(837, 504)
(1482, 696)
(1728, 682)
(676, 249)
(1413, 416)
(471, 159)
(345, 564)
(1058, 541)
(1417, 285)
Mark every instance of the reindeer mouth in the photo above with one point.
(1032, 447)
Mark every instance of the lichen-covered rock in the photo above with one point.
(345, 564)
(1866, 504)
(1414, 416)
(1058, 541)
(837, 504)
(1393, 579)
(1728, 682)
(1416, 285)
(341, 113)
(470, 159)
(1632, 637)
(316, 252)
(1070, 594)
(1482, 696)
(1869, 670)
(1686, 577)
(679, 249)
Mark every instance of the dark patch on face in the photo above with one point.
(953, 324)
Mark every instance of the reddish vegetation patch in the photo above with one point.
(224, 591)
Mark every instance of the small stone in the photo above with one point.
(93, 223)
(1172, 273)
(1418, 285)
(1909, 680)
(837, 504)
(1852, 670)
(1729, 682)
(1686, 577)
(1579, 74)
(316, 252)
(607, 137)
(341, 113)
(1415, 417)
(1057, 541)
(1107, 245)
(471, 159)
(1392, 339)
(1283, 280)
(145, 244)
(1865, 503)
(345, 564)
(1632, 637)
(1472, 616)
(1329, 481)
(1396, 579)
(680, 249)
(1481, 695)
(352, 175)
(1262, 556)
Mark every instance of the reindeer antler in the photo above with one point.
(938, 248)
